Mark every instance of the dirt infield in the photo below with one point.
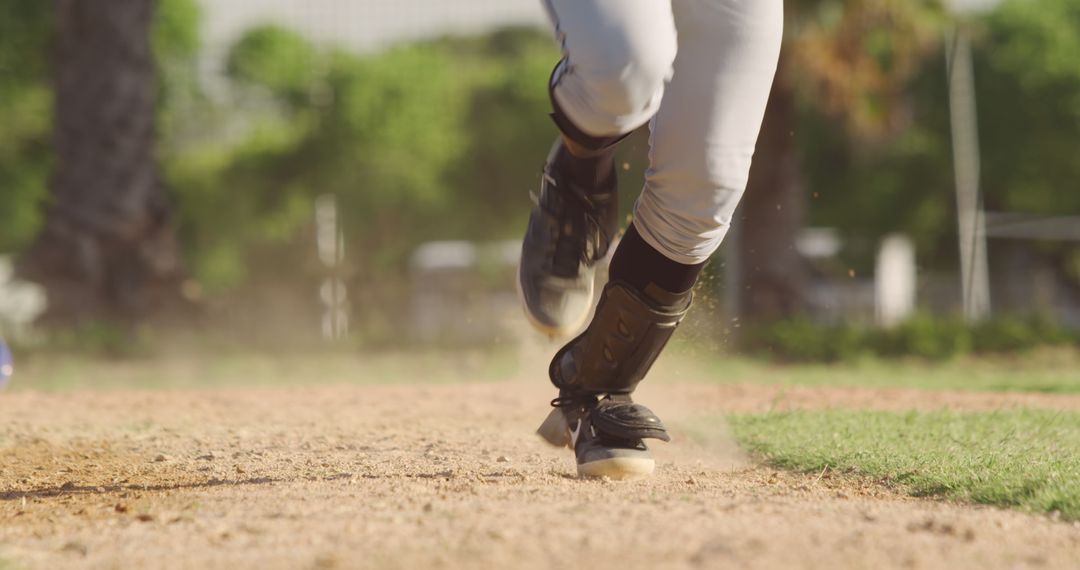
(451, 476)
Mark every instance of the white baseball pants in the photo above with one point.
(701, 70)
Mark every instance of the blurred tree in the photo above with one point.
(1028, 88)
(25, 156)
(1031, 137)
(107, 250)
(443, 139)
(771, 273)
(851, 60)
(440, 139)
(1030, 78)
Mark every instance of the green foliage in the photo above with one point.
(1023, 459)
(929, 337)
(1012, 334)
(25, 111)
(176, 43)
(176, 30)
(1049, 370)
(442, 139)
(1028, 89)
(277, 59)
(923, 336)
(432, 140)
(26, 154)
(803, 340)
(94, 339)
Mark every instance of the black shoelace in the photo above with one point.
(577, 218)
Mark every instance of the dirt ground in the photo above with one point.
(451, 476)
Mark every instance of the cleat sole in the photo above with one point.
(619, 468)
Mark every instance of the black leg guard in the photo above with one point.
(597, 371)
(625, 337)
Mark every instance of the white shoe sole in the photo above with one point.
(555, 431)
(621, 468)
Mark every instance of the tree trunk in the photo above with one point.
(108, 249)
(771, 271)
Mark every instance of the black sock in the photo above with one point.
(593, 173)
(638, 264)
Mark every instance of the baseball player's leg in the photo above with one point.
(617, 56)
(703, 137)
(702, 142)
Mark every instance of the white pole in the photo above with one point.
(974, 270)
(895, 280)
(330, 243)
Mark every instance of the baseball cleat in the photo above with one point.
(607, 435)
(570, 229)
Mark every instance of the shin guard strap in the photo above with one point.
(626, 420)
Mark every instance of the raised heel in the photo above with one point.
(555, 430)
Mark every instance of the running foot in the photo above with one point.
(570, 229)
(606, 435)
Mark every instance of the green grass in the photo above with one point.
(1047, 371)
(205, 369)
(195, 366)
(1025, 459)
